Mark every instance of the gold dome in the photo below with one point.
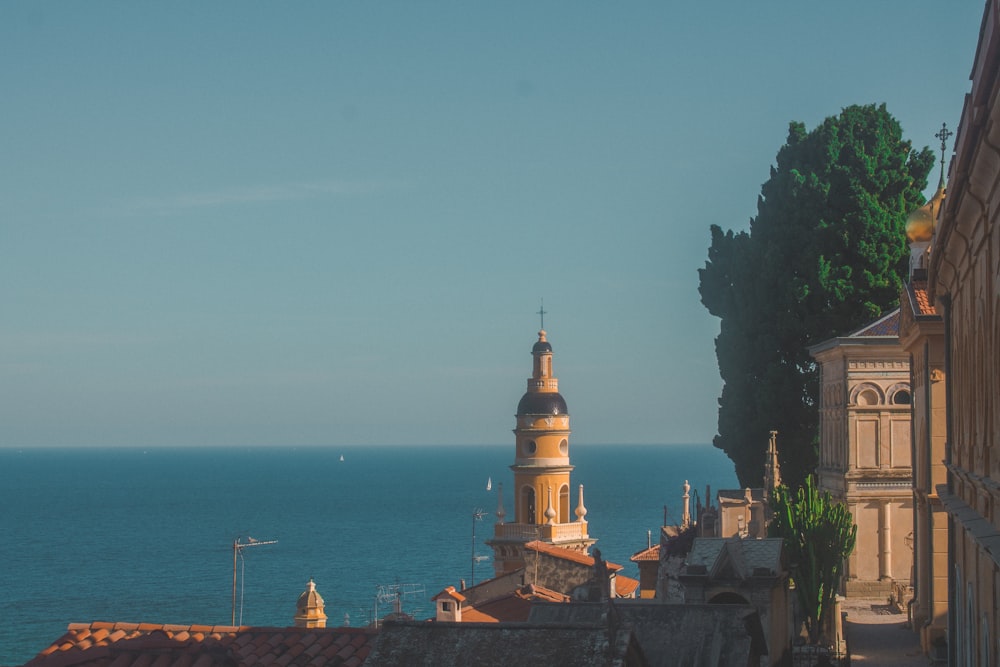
(309, 609)
(920, 223)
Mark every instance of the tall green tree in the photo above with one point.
(825, 255)
(818, 535)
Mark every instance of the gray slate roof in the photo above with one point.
(694, 635)
(414, 644)
(742, 556)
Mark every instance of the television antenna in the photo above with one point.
(394, 594)
(238, 548)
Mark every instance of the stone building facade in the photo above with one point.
(865, 457)
(921, 334)
(964, 287)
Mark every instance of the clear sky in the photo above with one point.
(332, 222)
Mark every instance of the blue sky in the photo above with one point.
(332, 223)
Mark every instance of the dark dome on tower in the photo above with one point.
(538, 403)
(541, 346)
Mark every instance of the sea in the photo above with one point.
(147, 535)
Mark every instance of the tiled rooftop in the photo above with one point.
(512, 607)
(450, 593)
(745, 555)
(887, 325)
(568, 554)
(141, 644)
(652, 553)
(625, 586)
(921, 298)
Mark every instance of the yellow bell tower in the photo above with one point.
(541, 473)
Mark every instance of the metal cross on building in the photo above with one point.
(943, 136)
(541, 313)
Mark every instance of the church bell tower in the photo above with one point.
(541, 473)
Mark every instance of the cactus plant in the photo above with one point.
(819, 534)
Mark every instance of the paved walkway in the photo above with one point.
(878, 635)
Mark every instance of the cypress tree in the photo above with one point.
(825, 254)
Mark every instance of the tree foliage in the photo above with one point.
(825, 255)
(818, 534)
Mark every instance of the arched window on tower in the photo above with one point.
(527, 505)
(563, 504)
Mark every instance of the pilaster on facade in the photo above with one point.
(963, 285)
(865, 449)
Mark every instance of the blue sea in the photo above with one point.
(147, 535)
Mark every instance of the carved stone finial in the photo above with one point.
(550, 513)
(581, 511)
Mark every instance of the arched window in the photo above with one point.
(563, 503)
(867, 393)
(867, 397)
(528, 514)
(902, 397)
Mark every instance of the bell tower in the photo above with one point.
(541, 469)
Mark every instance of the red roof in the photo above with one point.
(568, 554)
(133, 644)
(625, 586)
(511, 608)
(921, 298)
(450, 593)
(652, 553)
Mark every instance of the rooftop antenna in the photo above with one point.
(395, 593)
(238, 548)
(943, 136)
(477, 515)
(541, 313)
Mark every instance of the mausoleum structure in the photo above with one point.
(864, 457)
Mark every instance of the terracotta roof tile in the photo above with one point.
(652, 553)
(154, 645)
(451, 593)
(625, 586)
(568, 554)
(922, 298)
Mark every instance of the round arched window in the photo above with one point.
(564, 447)
(530, 447)
(867, 397)
(902, 397)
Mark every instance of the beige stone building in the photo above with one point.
(964, 288)
(921, 333)
(865, 458)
